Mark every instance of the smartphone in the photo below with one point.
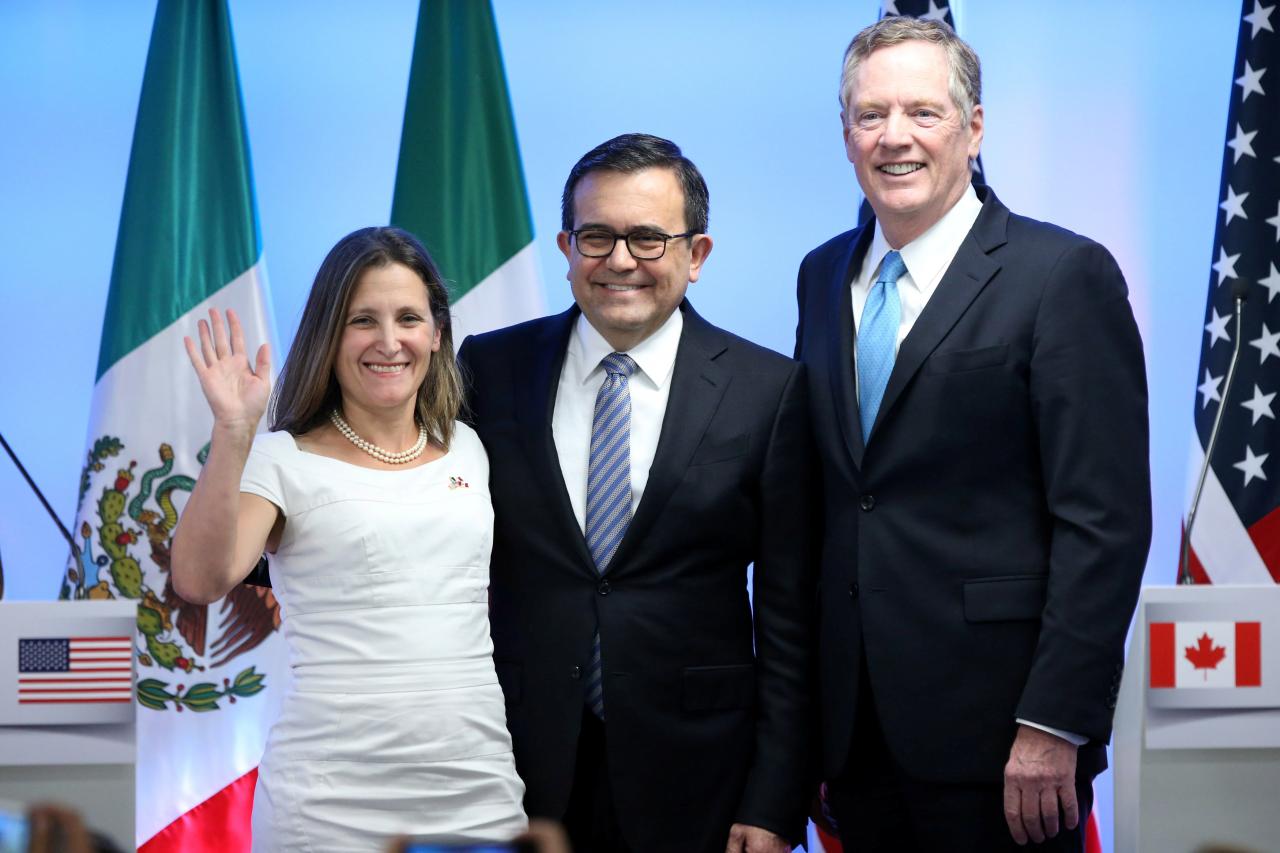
(14, 828)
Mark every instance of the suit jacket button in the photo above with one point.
(853, 590)
(603, 588)
(576, 673)
(867, 503)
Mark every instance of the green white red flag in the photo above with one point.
(209, 677)
(459, 183)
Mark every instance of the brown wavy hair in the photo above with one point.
(308, 390)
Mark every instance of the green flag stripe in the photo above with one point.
(459, 182)
(189, 224)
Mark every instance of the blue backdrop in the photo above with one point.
(1106, 118)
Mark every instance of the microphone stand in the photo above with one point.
(1239, 293)
(66, 534)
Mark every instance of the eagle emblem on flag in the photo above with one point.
(127, 556)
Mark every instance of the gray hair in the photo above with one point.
(964, 72)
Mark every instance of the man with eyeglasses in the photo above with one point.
(641, 459)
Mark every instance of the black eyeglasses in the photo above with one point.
(643, 245)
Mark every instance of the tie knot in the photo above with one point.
(618, 364)
(892, 268)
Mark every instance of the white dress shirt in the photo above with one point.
(580, 381)
(927, 258)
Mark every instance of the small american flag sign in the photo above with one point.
(83, 670)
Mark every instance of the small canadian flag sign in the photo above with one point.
(1206, 654)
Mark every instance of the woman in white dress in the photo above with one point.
(374, 504)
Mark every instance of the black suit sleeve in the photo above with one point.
(779, 782)
(1089, 403)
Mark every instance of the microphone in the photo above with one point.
(1239, 293)
(66, 534)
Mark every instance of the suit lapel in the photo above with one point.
(697, 386)
(536, 406)
(840, 340)
(964, 279)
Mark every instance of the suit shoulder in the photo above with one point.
(521, 334)
(755, 358)
(1055, 254)
(1047, 235)
(832, 248)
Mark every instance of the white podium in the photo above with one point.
(67, 709)
(1197, 727)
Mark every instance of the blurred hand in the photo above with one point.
(1041, 773)
(546, 836)
(753, 839)
(237, 392)
(57, 829)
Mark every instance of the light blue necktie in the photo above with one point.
(608, 489)
(877, 337)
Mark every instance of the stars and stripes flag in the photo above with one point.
(77, 670)
(1236, 536)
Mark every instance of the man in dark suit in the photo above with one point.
(979, 401)
(640, 460)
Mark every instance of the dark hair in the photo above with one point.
(632, 152)
(308, 390)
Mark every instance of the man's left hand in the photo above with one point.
(753, 839)
(1041, 773)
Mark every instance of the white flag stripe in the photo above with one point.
(192, 756)
(72, 681)
(115, 643)
(1220, 540)
(76, 689)
(1219, 640)
(508, 295)
(103, 696)
(162, 363)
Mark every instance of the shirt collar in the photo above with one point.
(930, 253)
(655, 356)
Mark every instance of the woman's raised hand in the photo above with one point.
(237, 391)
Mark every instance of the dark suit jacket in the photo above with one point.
(985, 548)
(707, 714)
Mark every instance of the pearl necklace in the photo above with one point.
(374, 450)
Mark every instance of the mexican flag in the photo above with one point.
(459, 183)
(209, 677)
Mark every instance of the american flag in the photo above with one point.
(1236, 536)
(926, 10)
(75, 670)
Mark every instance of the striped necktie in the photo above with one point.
(608, 489)
(877, 338)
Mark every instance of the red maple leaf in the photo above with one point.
(1204, 654)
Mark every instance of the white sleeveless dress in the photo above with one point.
(394, 723)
